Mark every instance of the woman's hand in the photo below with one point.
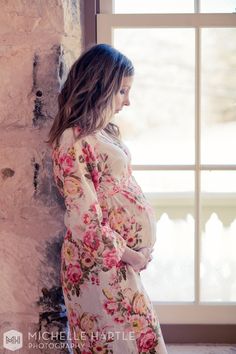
(137, 259)
(147, 252)
(140, 262)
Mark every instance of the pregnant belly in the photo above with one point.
(133, 218)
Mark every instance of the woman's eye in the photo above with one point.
(122, 92)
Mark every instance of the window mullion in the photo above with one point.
(197, 6)
(197, 248)
(106, 6)
(167, 20)
(210, 167)
(163, 167)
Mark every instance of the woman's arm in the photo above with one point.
(77, 170)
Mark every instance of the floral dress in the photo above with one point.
(108, 308)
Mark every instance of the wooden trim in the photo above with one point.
(89, 9)
(191, 333)
(167, 20)
(97, 6)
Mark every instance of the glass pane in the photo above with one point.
(165, 181)
(170, 274)
(153, 6)
(218, 261)
(158, 127)
(218, 96)
(218, 6)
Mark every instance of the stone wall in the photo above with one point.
(39, 40)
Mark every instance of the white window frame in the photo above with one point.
(190, 312)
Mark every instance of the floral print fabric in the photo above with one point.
(108, 308)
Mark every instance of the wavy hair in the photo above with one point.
(86, 100)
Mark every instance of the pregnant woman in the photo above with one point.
(110, 225)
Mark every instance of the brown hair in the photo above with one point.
(87, 97)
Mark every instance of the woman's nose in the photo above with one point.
(127, 101)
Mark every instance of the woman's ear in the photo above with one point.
(76, 131)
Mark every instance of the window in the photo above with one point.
(181, 129)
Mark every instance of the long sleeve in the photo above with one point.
(77, 173)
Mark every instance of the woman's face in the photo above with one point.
(122, 96)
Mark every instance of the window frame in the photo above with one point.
(196, 312)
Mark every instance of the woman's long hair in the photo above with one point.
(86, 100)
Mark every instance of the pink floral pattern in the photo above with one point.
(105, 211)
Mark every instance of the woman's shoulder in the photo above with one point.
(71, 144)
(71, 136)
